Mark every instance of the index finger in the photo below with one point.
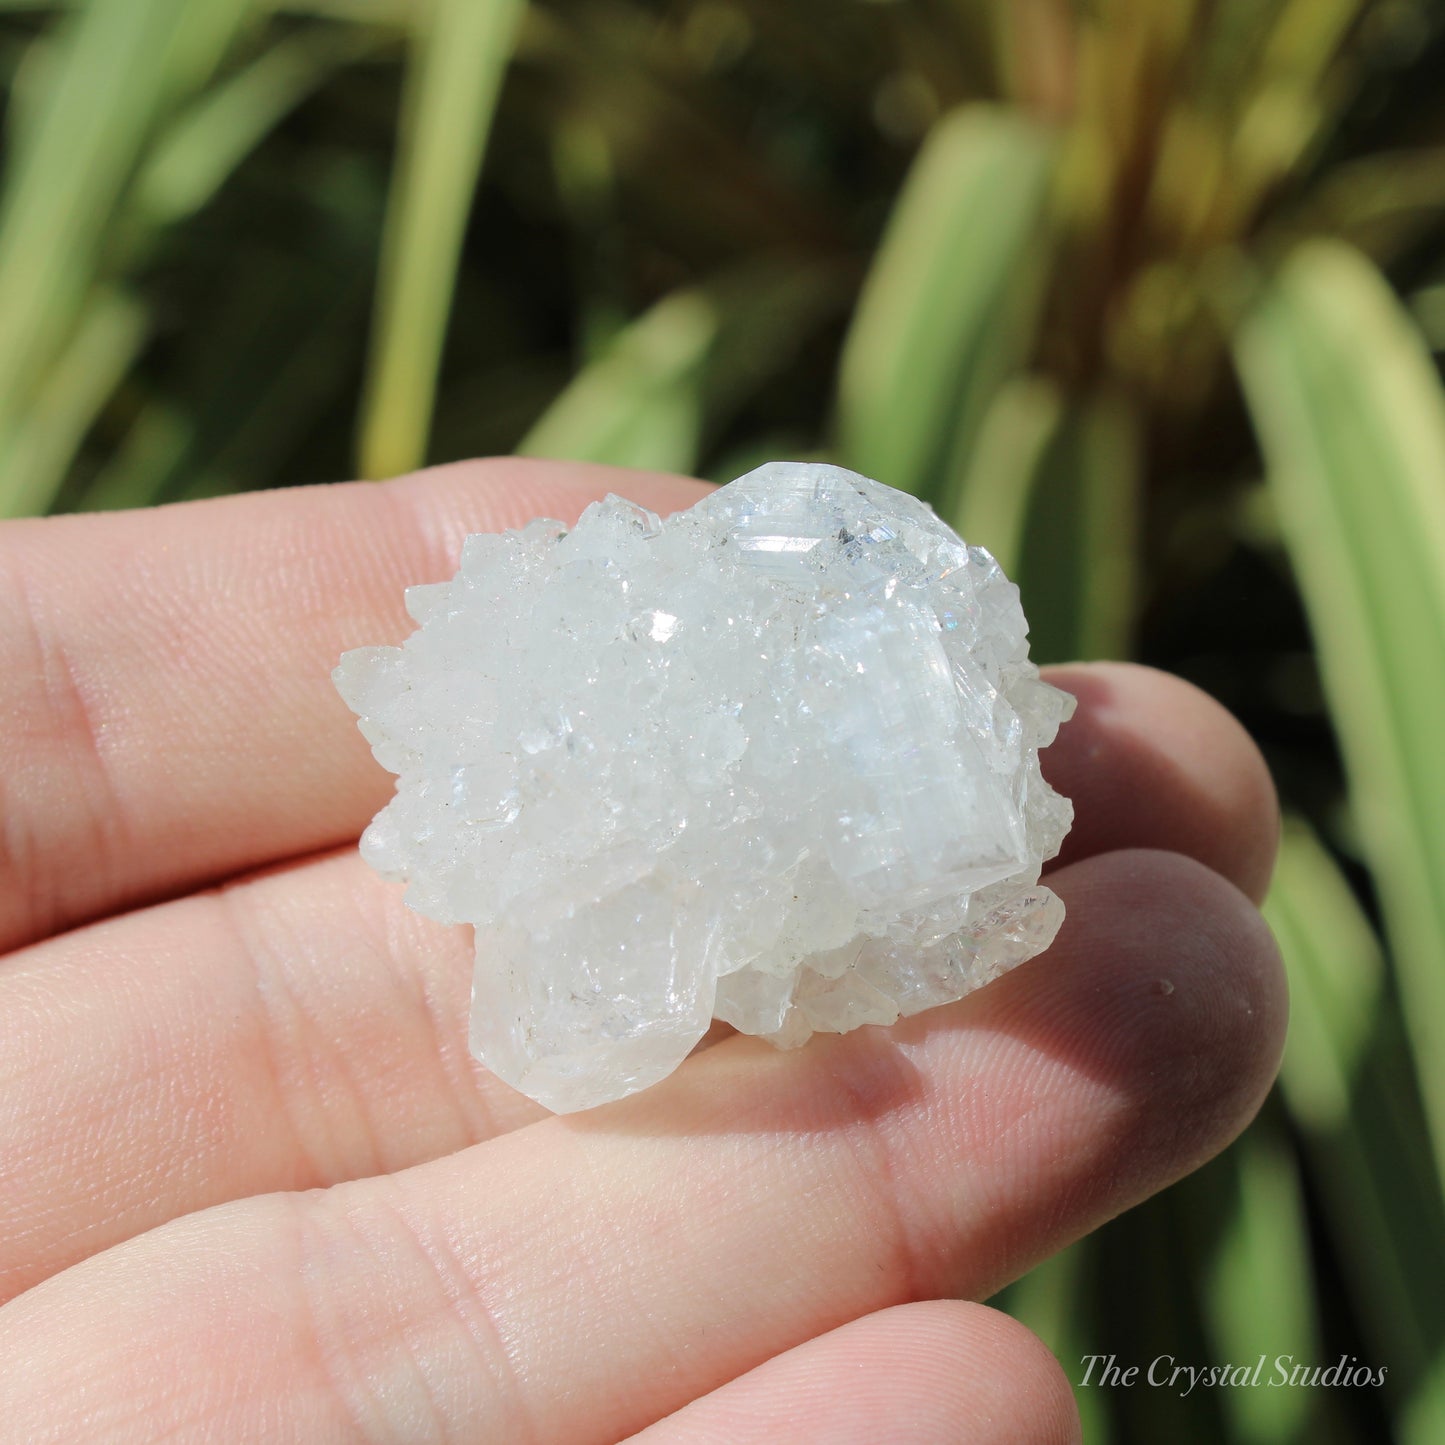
(168, 716)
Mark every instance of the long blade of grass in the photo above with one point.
(1018, 429)
(1078, 562)
(40, 447)
(1342, 1083)
(640, 404)
(1259, 1301)
(461, 53)
(1306, 38)
(117, 66)
(192, 157)
(1381, 203)
(135, 470)
(1427, 307)
(254, 381)
(199, 150)
(1284, 104)
(686, 365)
(1422, 1421)
(1337, 973)
(1351, 417)
(768, 309)
(939, 325)
(1110, 447)
(30, 79)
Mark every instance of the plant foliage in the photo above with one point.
(1142, 293)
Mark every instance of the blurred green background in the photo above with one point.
(1145, 295)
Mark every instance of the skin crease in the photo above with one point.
(252, 1186)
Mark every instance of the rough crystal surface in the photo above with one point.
(774, 760)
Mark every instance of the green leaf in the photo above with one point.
(200, 149)
(1427, 307)
(461, 53)
(39, 449)
(1351, 417)
(1014, 440)
(117, 67)
(684, 367)
(1281, 94)
(640, 404)
(768, 309)
(1346, 1085)
(1383, 203)
(138, 467)
(1259, 1297)
(1336, 969)
(1078, 559)
(946, 312)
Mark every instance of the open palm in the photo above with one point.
(252, 1186)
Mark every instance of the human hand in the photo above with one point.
(252, 1186)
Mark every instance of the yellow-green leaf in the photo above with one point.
(943, 317)
(1021, 424)
(1351, 417)
(1259, 1298)
(461, 53)
(195, 154)
(116, 68)
(686, 365)
(1345, 1085)
(1078, 556)
(1336, 972)
(39, 448)
(640, 403)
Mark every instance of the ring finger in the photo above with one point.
(583, 1277)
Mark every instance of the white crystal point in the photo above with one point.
(774, 760)
(585, 1000)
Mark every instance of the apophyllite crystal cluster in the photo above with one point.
(773, 760)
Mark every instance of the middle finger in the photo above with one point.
(585, 1276)
(304, 1027)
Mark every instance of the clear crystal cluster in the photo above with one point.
(774, 760)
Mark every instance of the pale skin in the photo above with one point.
(252, 1187)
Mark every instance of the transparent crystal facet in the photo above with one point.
(774, 760)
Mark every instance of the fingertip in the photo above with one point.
(1014, 1358)
(1174, 998)
(925, 1373)
(1151, 761)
